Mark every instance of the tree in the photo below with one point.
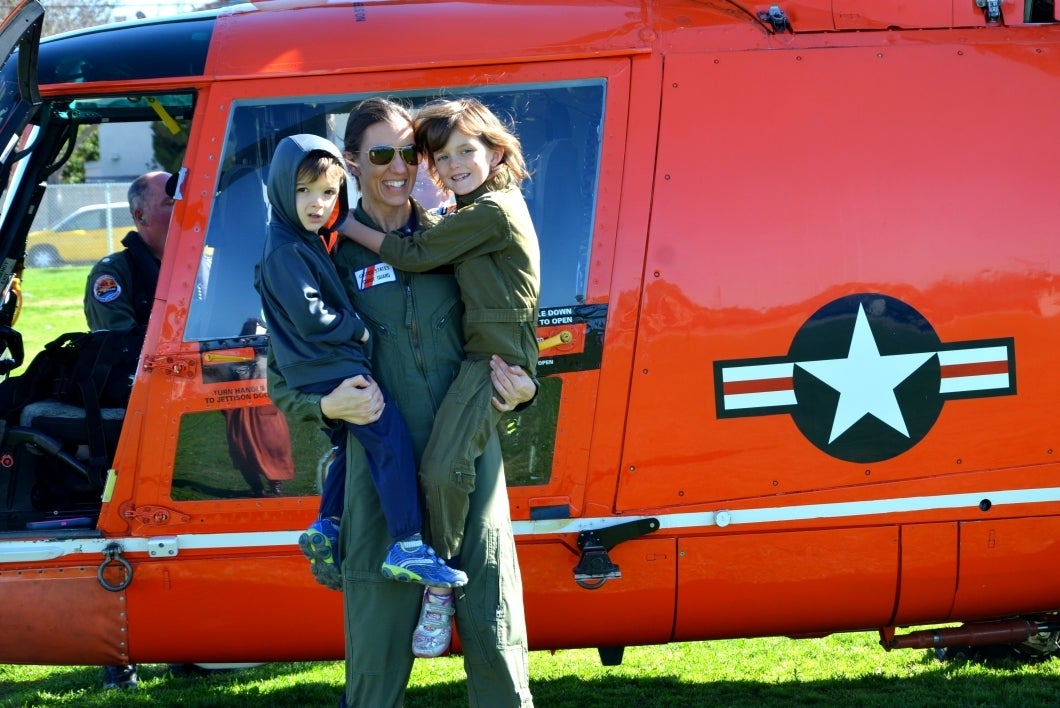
(169, 148)
(65, 15)
(87, 150)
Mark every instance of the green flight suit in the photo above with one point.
(492, 244)
(418, 346)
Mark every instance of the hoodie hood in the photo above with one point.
(283, 172)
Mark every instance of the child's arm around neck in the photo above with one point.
(364, 235)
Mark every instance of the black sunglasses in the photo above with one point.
(383, 154)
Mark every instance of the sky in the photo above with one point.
(152, 10)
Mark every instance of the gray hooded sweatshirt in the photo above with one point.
(314, 332)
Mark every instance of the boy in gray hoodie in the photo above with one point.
(318, 341)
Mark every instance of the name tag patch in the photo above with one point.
(375, 275)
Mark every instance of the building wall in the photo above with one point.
(125, 153)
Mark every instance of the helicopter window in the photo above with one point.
(57, 170)
(1039, 11)
(82, 214)
(558, 124)
(245, 453)
(167, 107)
(528, 438)
(252, 450)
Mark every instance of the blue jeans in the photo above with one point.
(391, 464)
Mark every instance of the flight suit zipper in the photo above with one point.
(412, 324)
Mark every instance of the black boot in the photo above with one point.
(121, 676)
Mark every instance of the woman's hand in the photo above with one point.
(512, 384)
(356, 400)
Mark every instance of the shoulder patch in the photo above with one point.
(106, 288)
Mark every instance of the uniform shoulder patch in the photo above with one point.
(106, 288)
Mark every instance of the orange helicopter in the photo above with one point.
(799, 321)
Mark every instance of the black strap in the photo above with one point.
(11, 342)
(94, 381)
(98, 461)
(86, 379)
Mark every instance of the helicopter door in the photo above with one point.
(19, 101)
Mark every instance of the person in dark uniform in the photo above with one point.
(121, 287)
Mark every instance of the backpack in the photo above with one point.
(80, 368)
(91, 370)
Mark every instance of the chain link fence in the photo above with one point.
(79, 223)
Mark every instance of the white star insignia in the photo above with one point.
(865, 380)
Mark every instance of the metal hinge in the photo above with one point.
(595, 567)
(162, 547)
(991, 10)
(153, 515)
(777, 18)
(185, 366)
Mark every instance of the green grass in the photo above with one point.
(842, 670)
(52, 304)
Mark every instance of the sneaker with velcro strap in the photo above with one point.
(416, 562)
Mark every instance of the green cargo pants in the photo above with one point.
(380, 615)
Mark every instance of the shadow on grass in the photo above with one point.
(159, 686)
(939, 683)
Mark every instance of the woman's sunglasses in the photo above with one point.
(383, 154)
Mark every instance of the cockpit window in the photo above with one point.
(559, 125)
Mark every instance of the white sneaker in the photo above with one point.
(435, 629)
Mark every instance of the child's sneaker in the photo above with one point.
(416, 562)
(435, 628)
(320, 544)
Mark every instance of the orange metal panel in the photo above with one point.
(62, 616)
(637, 608)
(1007, 567)
(867, 14)
(929, 573)
(967, 13)
(849, 170)
(830, 15)
(804, 15)
(255, 43)
(259, 608)
(786, 583)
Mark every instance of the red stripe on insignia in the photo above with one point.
(983, 368)
(733, 388)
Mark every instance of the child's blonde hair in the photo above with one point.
(437, 120)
